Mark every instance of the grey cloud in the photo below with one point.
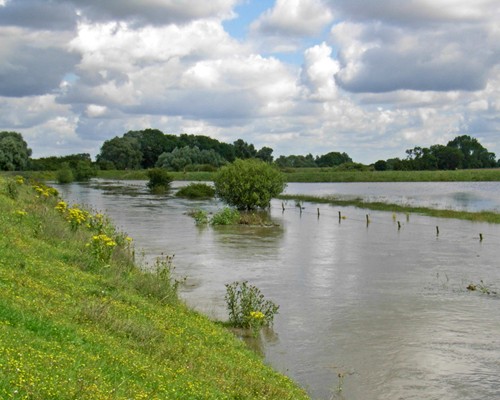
(150, 12)
(64, 14)
(201, 104)
(34, 71)
(384, 70)
(37, 14)
(408, 13)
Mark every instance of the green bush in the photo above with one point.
(247, 307)
(226, 216)
(159, 180)
(249, 184)
(196, 191)
(65, 174)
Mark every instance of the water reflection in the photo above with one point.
(387, 307)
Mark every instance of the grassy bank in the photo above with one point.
(308, 175)
(330, 175)
(483, 216)
(79, 320)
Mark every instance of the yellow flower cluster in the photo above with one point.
(76, 217)
(103, 239)
(45, 191)
(62, 206)
(21, 213)
(19, 180)
(257, 315)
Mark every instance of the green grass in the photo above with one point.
(330, 175)
(482, 216)
(75, 326)
(309, 175)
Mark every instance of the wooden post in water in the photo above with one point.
(399, 225)
(340, 217)
(318, 212)
(367, 220)
(480, 237)
(437, 230)
(283, 206)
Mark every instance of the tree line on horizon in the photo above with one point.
(151, 148)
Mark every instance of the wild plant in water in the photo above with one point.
(226, 216)
(247, 307)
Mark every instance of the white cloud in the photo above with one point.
(391, 75)
(294, 17)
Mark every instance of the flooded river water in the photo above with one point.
(367, 311)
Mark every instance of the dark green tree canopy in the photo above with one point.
(123, 153)
(332, 159)
(14, 152)
(474, 154)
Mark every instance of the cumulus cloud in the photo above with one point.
(421, 45)
(368, 78)
(293, 17)
(32, 63)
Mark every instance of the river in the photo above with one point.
(384, 305)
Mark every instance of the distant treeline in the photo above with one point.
(150, 148)
(463, 152)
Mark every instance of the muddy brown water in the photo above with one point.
(385, 307)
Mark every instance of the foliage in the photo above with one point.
(72, 327)
(226, 216)
(65, 174)
(200, 216)
(152, 143)
(124, 153)
(247, 306)
(55, 163)
(474, 154)
(14, 152)
(294, 161)
(196, 191)
(248, 184)
(180, 158)
(159, 180)
(333, 159)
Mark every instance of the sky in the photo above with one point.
(371, 78)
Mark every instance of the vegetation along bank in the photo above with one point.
(78, 318)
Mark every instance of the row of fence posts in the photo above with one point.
(341, 217)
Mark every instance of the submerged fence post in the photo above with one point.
(437, 230)
(399, 225)
(283, 206)
(340, 217)
(367, 220)
(480, 237)
(318, 212)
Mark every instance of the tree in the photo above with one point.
(380, 165)
(14, 152)
(332, 159)
(265, 154)
(152, 143)
(248, 184)
(180, 158)
(124, 153)
(446, 157)
(244, 150)
(475, 155)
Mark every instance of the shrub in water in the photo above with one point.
(196, 191)
(249, 184)
(226, 216)
(247, 307)
(159, 180)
